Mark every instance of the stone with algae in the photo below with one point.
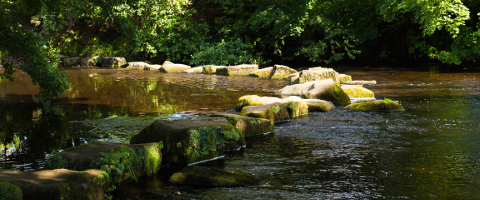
(169, 67)
(254, 100)
(249, 126)
(145, 159)
(237, 70)
(188, 141)
(357, 91)
(113, 62)
(273, 112)
(385, 105)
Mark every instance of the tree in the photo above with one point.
(26, 51)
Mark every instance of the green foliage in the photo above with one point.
(26, 51)
(231, 134)
(276, 109)
(226, 53)
(9, 191)
(119, 162)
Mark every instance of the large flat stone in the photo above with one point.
(188, 141)
(238, 70)
(171, 68)
(385, 105)
(357, 91)
(317, 74)
(113, 62)
(145, 159)
(249, 126)
(72, 61)
(264, 73)
(272, 112)
(327, 90)
(254, 100)
(282, 72)
(91, 61)
(210, 69)
(58, 184)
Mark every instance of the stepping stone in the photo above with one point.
(212, 177)
(385, 105)
(361, 82)
(194, 70)
(272, 112)
(239, 70)
(142, 159)
(357, 91)
(249, 126)
(59, 183)
(264, 73)
(91, 61)
(188, 141)
(169, 67)
(327, 90)
(72, 61)
(281, 72)
(113, 62)
(210, 69)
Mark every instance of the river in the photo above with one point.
(429, 151)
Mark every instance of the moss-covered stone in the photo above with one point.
(210, 69)
(172, 68)
(238, 70)
(59, 183)
(272, 112)
(72, 61)
(343, 77)
(247, 100)
(295, 90)
(296, 108)
(212, 177)
(134, 160)
(282, 72)
(327, 90)
(249, 126)
(264, 73)
(188, 141)
(113, 62)
(317, 74)
(357, 91)
(385, 105)
(91, 61)
(9, 191)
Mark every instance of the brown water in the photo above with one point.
(430, 151)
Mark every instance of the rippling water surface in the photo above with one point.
(430, 151)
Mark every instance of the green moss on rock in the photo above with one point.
(357, 91)
(249, 126)
(212, 177)
(264, 73)
(238, 70)
(247, 100)
(188, 141)
(9, 191)
(386, 105)
(272, 112)
(296, 108)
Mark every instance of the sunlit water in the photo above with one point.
(429, 151)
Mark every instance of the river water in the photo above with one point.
(429, 151)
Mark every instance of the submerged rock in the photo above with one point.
(249, 126)
(357, 91)
(385, 105)
(137, 159)
(113, 62)
(9, 191)
(72, 61)
(282, 72)
(327, 90)
(238, 70)
(264, 73)
(58, 184)
(188, 141)
(169, 67)
(91, 61)
(212, 177)
(272, 112)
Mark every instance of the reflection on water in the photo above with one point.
(430, 151)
